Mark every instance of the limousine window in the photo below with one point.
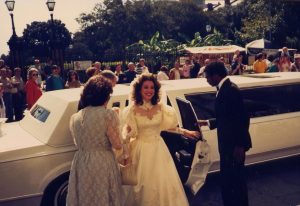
(40, 113)
(264, 101)
(259, 101)
(203, 104)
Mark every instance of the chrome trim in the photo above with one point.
(21, 197)
(42, 154)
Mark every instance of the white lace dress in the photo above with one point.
(158, 180)
(95, 178)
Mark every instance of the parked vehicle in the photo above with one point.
(36, 153)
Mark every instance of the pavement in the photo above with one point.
(275, 183)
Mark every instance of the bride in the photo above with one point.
(158, 180)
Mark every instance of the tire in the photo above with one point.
(56, 192)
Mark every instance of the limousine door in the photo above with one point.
(191, 156)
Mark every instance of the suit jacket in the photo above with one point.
(232, 120)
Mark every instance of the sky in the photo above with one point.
(27, 11)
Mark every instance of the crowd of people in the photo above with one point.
(18, 93)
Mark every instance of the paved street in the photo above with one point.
(270, 184)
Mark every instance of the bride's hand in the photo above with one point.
(126, 161)
(192, 134)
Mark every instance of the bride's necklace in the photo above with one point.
(147, 109)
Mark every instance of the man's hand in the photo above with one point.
(202, 122)
(239, 154)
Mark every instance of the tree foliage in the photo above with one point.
(40, 36)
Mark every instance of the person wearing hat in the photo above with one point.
(295, 67)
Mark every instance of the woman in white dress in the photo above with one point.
(95, 178)
(158, 180)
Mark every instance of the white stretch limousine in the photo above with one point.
(36, 153)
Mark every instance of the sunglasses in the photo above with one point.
(34, 74)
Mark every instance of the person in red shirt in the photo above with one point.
(32, 89)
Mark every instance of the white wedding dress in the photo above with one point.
(158, 180)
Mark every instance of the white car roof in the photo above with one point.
(63, 103)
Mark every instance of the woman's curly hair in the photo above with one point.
(136, 95)
(96, 92)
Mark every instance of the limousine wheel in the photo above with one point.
(56, 192)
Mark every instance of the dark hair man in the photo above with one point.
(232, 123)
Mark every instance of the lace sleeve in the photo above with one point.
(169, 118)
(113, 129)
(129, 129)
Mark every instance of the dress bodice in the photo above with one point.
(146, 123)
(148, 127)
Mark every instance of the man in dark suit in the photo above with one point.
(232, 123)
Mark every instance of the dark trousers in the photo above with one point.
(233, 182)
(7, 98)
(17, 102)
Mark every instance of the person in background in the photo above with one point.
(265, 58)
(186, 69)
(295, 67)
(130, 73)
(73, 80)
(94, 177)
(176, 72)
(232, 123)
(260, 66)
(237, 68)
(91, 71)
(141, 68)
(144, 119)
(111, 76)
(274, 67)
(32, 89)
(163, 74)
(54, 81)
(47, 69)
(37, 65)
(17, 94)
(284, 62)
(201, 72)
(119, 73)
(7, 95)
(97, 66)
(196, 67)
(235, 56)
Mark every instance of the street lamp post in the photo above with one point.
(10, 4)
(55, 52)
(51, 4)
(14, 42)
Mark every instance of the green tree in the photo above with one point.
(158, 50)
(37, 38)
(112, 26)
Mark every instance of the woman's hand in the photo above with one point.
(191, 134)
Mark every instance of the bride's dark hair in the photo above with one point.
(137, 87)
